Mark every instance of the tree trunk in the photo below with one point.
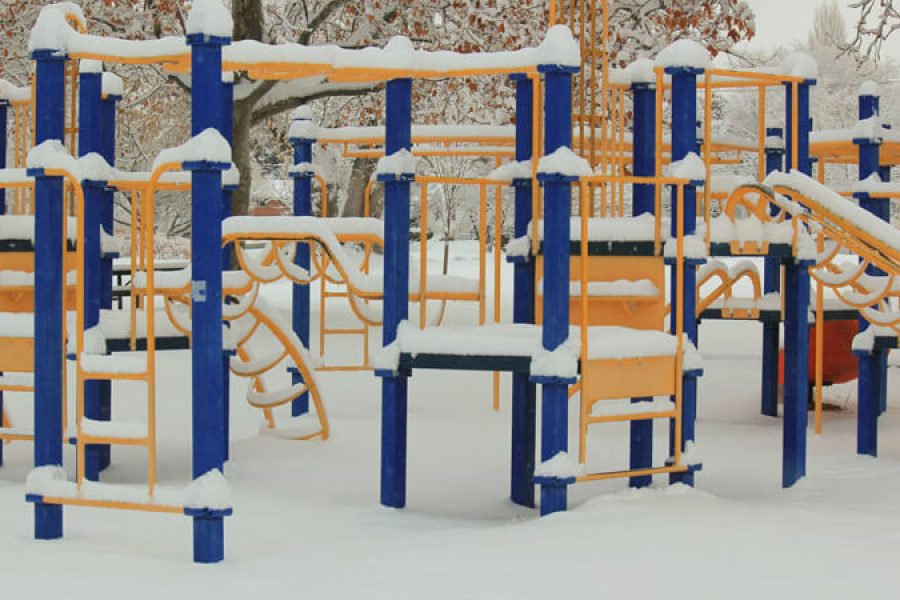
(356, 191)
(240, 200)
(248, 20)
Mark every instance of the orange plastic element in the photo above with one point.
(839, 364)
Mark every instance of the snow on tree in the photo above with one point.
(877, 21)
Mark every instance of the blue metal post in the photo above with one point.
(523, 390)
(3, 121)
(796, 318)
(208, 392)
(885, 172)
(870, 363)
(89, 132)
(684, 141)
(48, 277)
(557, 196)
(796, 368)
(771, 284)
(643, 202)
(300, 305)
(394, 386)
(4, 107)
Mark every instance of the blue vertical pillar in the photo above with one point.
(523, 391)
(90, 124)
(684, 141)
(871, 363)
(643, 202)
(394, 385)
(3, 122)
(796, 316)
(555, 331)
(885, 172)
(302, 141)
(48, 275)
(771, 284)
(208, 394)
(4, 114)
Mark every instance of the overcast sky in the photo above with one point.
(784, 22)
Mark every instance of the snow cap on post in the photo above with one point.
(112, 85)
(800, 64)
(559, 49)
(303, 113)
(90, 66)
(563, 164)
(684, 54)
(13, 93)
(303, 130)
(208, 147)
(399, 166)
(641, 71)
(870, 88)
(210, 19)
(50, 32)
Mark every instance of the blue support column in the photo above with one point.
(796, 317)
(523, 390)
(3, 122)
(89, 133)
(796, 367)
(208, 393)
(107, 149)
(394, 386)
(643, 202)
(300, 304)
(557, 198)
(48, 276)
(871, 363)
(684, 141)
(771, 284)
(4, 110)
(885, 172)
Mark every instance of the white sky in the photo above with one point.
(785, 22)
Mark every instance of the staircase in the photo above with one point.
(619, 304)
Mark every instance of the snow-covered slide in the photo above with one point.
(265, 342)
(846, 226)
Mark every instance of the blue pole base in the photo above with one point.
(393, 440)
(209, 539)
(524, 411)
(554, 499)
(868, 399)
(770, 351)
(300, 405)
(48, 521)
(92, 463)
(641, 449)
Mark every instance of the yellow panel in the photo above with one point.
(16, 355)
(636, 313)
(628, 378)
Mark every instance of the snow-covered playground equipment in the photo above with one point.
(608, 297)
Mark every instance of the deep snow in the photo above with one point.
(307, 521)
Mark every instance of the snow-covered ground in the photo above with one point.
(307, 521)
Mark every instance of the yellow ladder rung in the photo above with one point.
(631, 473)
(144, 506)
(671, 414)
(85, 439)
